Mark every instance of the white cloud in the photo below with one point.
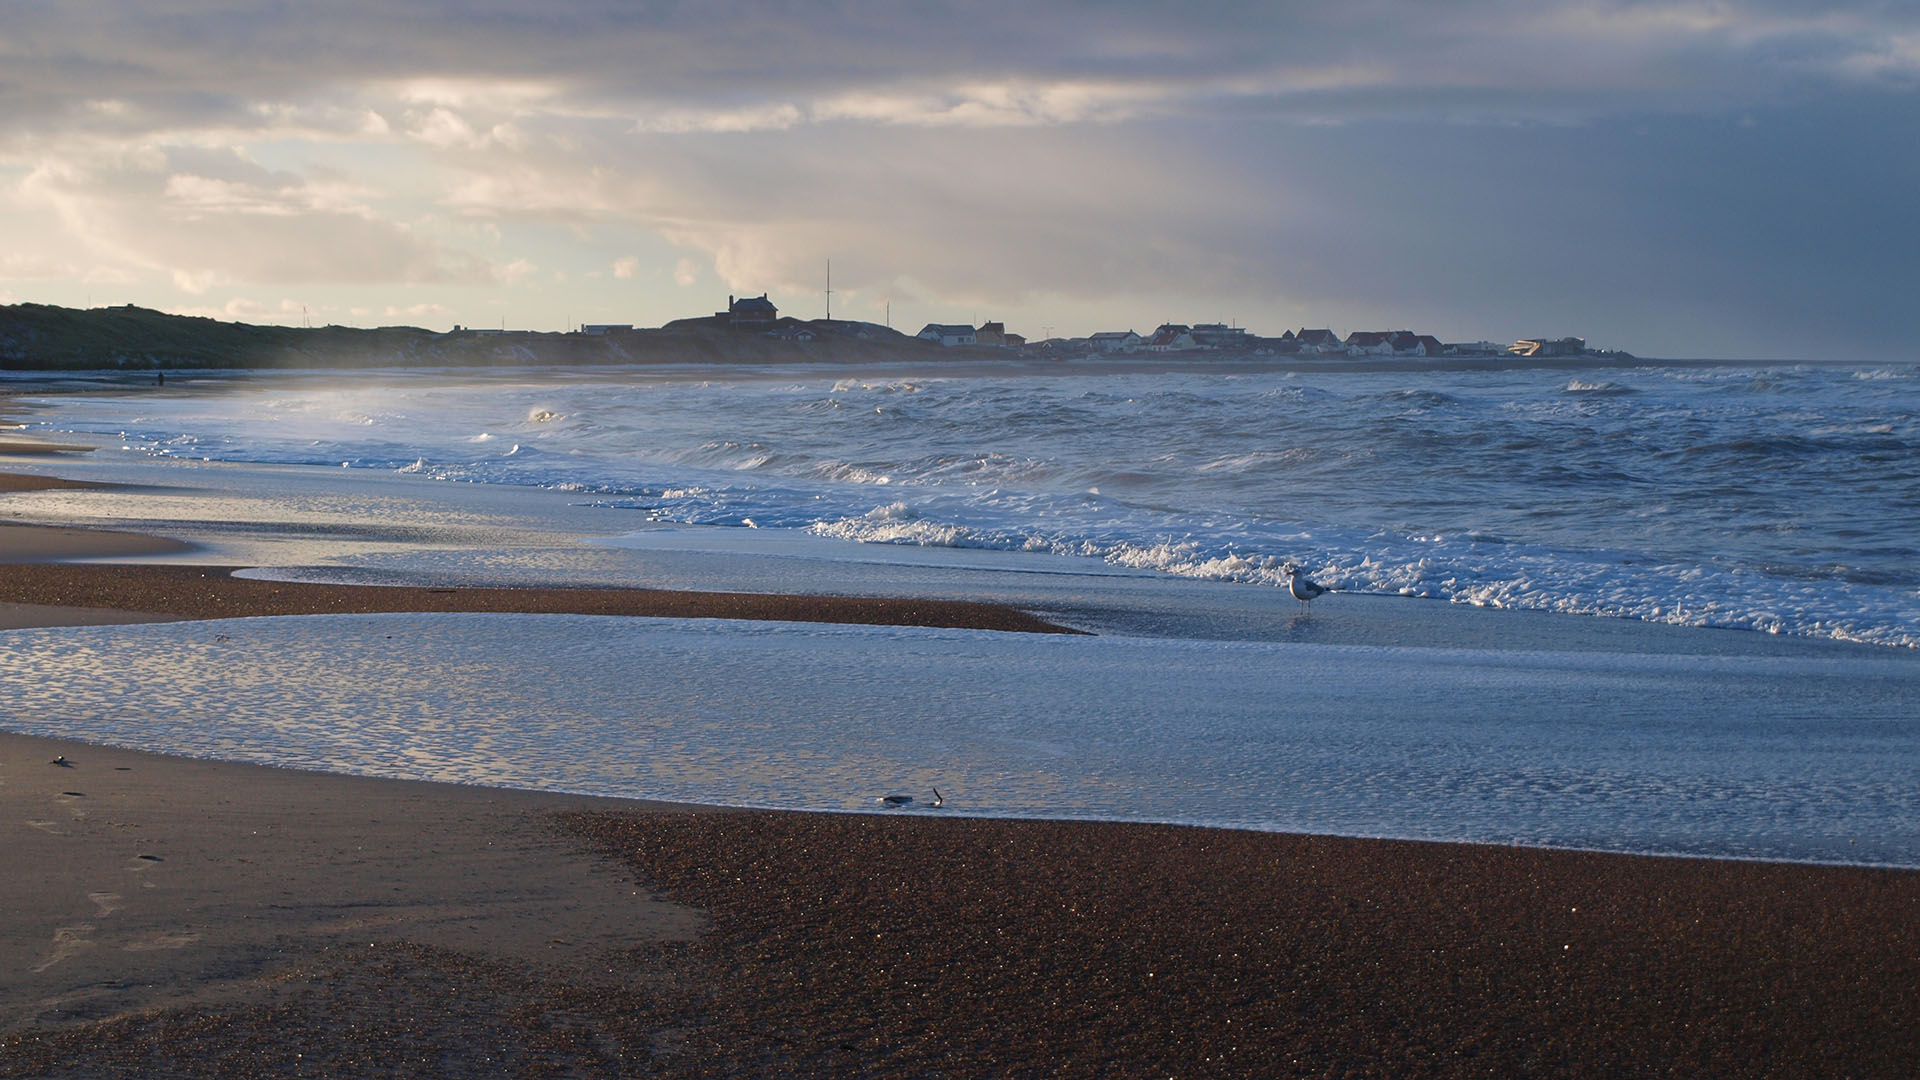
(513, 273)
(249, 310)
(419, 311)
(33, 266)
(195, 281)
(626, 266)
(686, 272)
(206, 217)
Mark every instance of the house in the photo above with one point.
(791, 333)
(992, 333)
(603, 329)
(1407, 343)
(1014, 341)
(1221, 336)
(1172, 337)
(1391, 343)
(1474, 348)
(1543, 347)
(1116, 341)
(1370, 343)
(749, 311)
(948, 334)
(1320, 341)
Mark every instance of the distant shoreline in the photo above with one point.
(137, 342)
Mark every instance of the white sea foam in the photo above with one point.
(1772, 499)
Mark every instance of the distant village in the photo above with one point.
(759, 313)
(750, 329)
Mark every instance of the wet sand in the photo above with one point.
(211, 592)
(176, 917)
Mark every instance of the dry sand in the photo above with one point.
(175, 917)
(172, 917)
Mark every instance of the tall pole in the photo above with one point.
(829, 290)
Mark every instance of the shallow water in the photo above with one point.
(1808, 759)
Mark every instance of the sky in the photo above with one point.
(1726, 179)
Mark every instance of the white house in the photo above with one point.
(1567, 346)
(948, 334)
(1116, 341)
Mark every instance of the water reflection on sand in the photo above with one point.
(1798, 757)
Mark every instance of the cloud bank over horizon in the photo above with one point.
(1707, 178)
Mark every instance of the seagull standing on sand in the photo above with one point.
(1303, 589)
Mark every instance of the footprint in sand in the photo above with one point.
(48, 827)
(107, 902)
(67, 941)
(71, 799)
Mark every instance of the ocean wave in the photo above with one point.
(1513, 489)
(1603, 388)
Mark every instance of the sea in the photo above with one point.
(1705, 579)
(1782, 499)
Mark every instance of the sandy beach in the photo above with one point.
(177, 917)
(172, 916)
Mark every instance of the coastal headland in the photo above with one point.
(183, 917)
(41, 337)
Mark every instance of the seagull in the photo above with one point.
(894, 800)
(938, 799)
(62, 762)
(1303, 589)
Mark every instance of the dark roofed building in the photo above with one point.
(1320, 341)
(750, 311)
(949, 334)
(1370, 343)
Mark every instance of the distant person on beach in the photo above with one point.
(160, 378)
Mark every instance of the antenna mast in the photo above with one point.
(829, 290)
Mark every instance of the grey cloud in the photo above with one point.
(1471, 167)
(184, 62)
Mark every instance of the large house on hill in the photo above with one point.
(749, 311)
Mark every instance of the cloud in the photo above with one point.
(514, 272)
(250, 310)
(419, 311)
(1382, 155)
(453, 78)
(207, 217)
